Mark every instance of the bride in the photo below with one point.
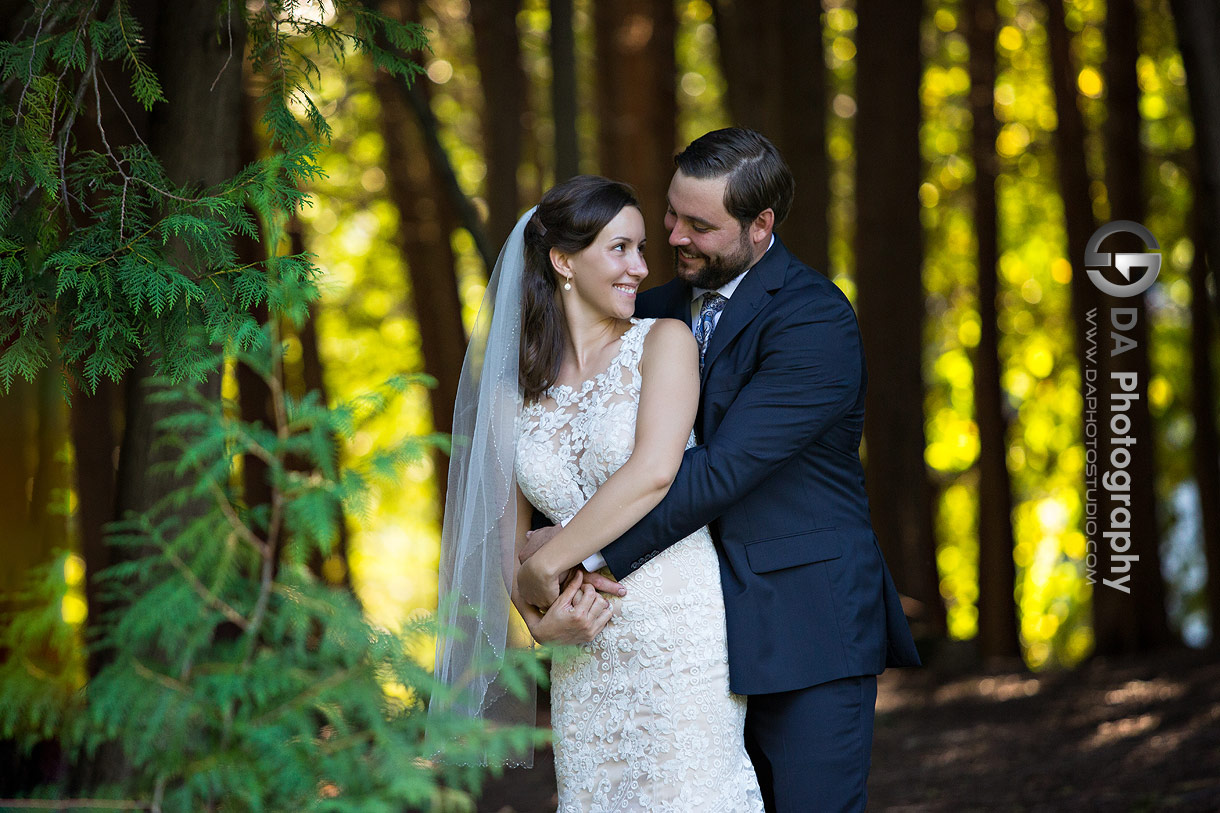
(570, 406)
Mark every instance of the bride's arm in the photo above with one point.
(579, 613)
(669, 399)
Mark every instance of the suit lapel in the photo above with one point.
(755, 291)
(671, 300)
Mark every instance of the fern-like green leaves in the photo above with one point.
(98, 248)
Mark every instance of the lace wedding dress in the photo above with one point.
(642, 716)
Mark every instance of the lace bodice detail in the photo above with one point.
(643, 716)
(573, 439)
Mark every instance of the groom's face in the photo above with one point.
(710, 246)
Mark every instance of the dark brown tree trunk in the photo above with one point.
(1091, 321)
(1206, 462)
(1121, 622)
(563, 90)
(1198, 26)
(889, 251)
(98, 419)
(637, 110)
(497, 52)
(192, 134)
(95, 419)
(18, 424)
(771, 54)
(1142, 614)
(998, 631)
(426, 221)
(48, 502)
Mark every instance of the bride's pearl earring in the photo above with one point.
(567, 286)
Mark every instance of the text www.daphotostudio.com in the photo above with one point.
(1121, 389)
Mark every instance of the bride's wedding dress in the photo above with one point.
(643, 717)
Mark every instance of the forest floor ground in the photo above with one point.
(1114, 735)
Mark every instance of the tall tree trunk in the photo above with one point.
(1086, 304)
(98, 419)
(48, 503)
(889, 250)
(998, 635)
(771, 55)
(1144, 610)
(192, 134)
(1198, 27)
(18, 424)
(95, 444)
(426, 221)
(497, 52)
(637, 110)
(563, 90)
(1206, 463)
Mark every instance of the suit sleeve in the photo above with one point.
(809, 377)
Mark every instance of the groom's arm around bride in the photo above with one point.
(811, 608)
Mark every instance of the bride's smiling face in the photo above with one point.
(607, 273)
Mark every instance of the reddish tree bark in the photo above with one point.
(497, 52)
(771, 54)
(998, 635)
(637, 110)
(889, 251)
(426, 220)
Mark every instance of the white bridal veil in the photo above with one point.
(478, 624)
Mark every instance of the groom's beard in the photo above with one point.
(716, 270)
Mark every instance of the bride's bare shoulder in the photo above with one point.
(670, 339)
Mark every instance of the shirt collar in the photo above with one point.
(727, 289)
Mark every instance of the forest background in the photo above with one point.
(952, 160)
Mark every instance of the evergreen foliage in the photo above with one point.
(231, 678)
(100, 248)
(234, 678)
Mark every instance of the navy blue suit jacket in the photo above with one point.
(777, 475)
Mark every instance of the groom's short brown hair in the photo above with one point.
(759, 178)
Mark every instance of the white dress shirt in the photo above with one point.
(597, 561)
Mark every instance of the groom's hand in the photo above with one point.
(536, 539)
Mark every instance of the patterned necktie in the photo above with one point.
(713, 303)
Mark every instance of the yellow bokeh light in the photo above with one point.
(1153, 107)
(74, 570)
(1061, 271)
(1040, 360)
(1012, 140)
(1090, 84)
(74, 609)
(1010, 38)
(968, 332)
(1160, 392)
(843, 49)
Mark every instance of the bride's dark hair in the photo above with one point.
(569, 217)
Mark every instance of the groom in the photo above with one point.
(812, 613)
